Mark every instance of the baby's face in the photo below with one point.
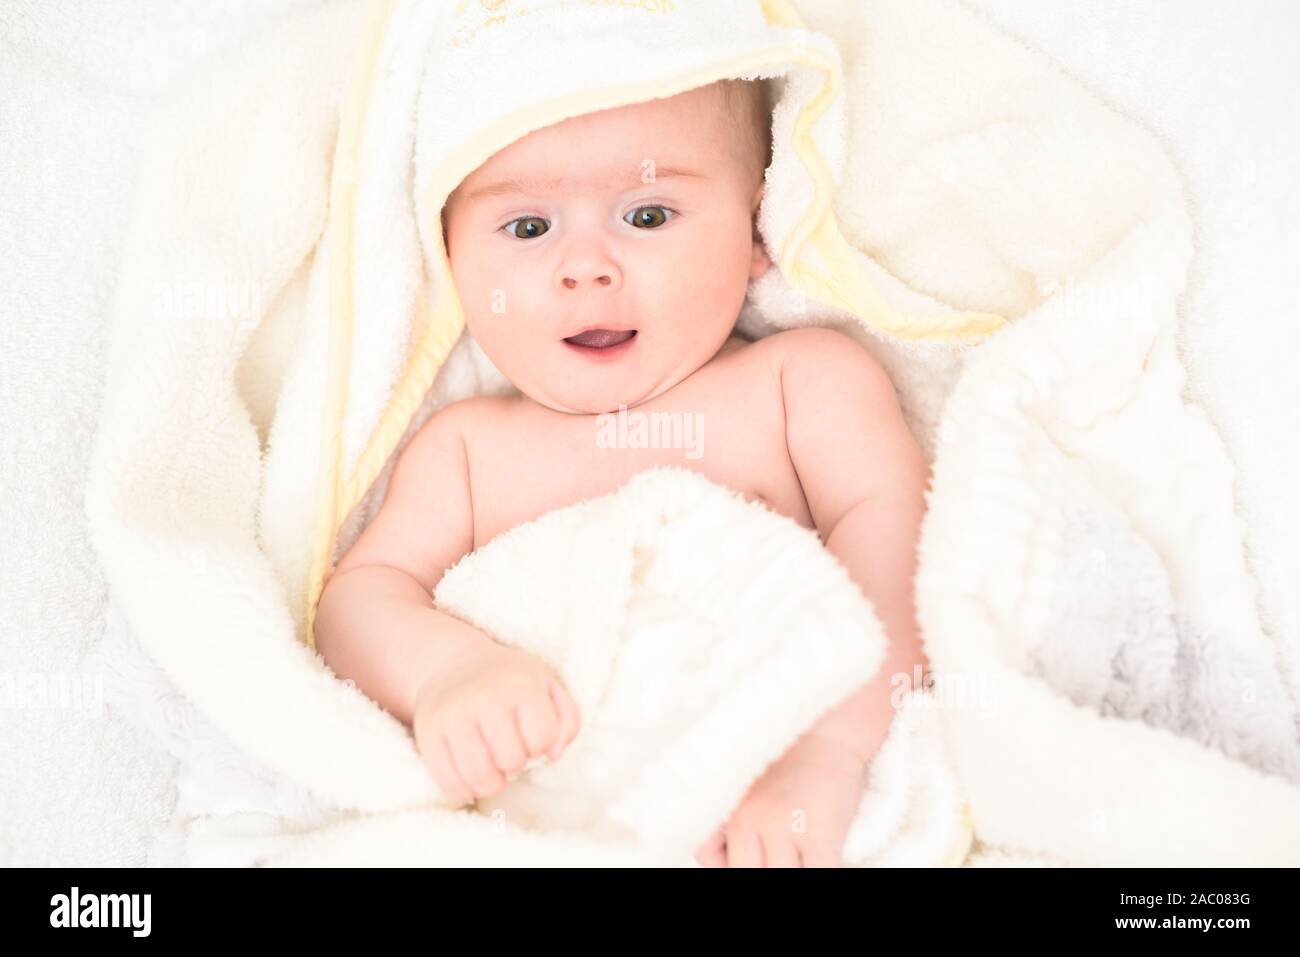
(637, 218)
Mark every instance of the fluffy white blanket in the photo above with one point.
(1105, 694)
(699, 635)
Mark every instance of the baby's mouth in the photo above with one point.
(601, 338)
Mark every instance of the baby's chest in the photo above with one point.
(525, 473)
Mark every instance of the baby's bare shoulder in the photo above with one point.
(814, 339)
(475, 413)
(827, 353)
(845, 430)
(819, 355)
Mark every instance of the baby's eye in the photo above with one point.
(651, 217)
(533, 232)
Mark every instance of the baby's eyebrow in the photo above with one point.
(541, 184)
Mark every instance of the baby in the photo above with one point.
(602, 263)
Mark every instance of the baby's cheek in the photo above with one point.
(708, 272)
(724, 278)
(482, 292)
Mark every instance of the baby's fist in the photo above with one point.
(487, 718)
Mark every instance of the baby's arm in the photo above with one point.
(864, 478)
(376, 622)
(478, 710)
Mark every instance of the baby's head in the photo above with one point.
(640, 217)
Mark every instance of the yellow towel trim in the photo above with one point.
(779, 13)
(844, 285)
(961, 850)
(339, 363)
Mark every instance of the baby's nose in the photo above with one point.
(601, 279)
(588, 266)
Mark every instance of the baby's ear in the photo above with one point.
(445, 217)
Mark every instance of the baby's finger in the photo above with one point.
(474, 761)
(713, 852)
(443, 768)
(504, 739)
(538, 723)
(819, 854)
(744, 848)
(570, 719)
(779, 848)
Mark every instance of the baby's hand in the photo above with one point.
(796, 815)
(488, 717)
